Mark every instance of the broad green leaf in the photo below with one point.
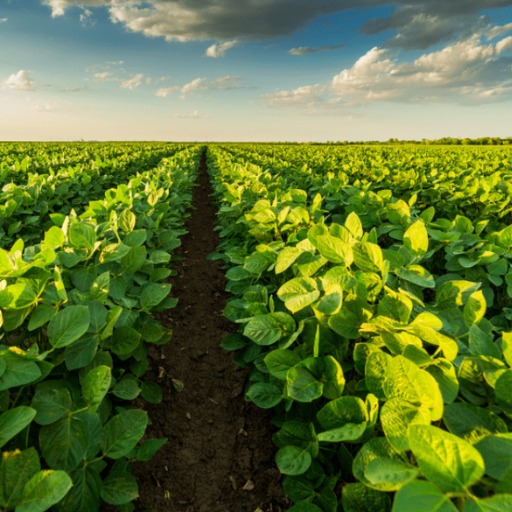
(331, 302)
(298, 293)
(81, 352)
(368, 256)
(64, 443)
(100, 287)
(293, 460)
(134, 259)
(68, 325)
(114, 252)
(54, 237)
(503, 390)
(19, 371)
(375, 372)
(475, 308)
(45, 488)
(263, 330)
(497, 503)
(344, 410)
(416, 239)
(14, 421)
(95, 386)
(383, 470)
(304, 506)
(396, 415)
(496, 451)
(507, 347)
(446, 460)
(16, 470)
(153, 294)
(121, 434)
(17, 296)
(82, 236)
(353, 224)
(264, 395)
(334, 250)
(126, 389)
(279, 362)
(417, 275)
(303, 386)
(51, 405)
(151, 392)
(125, 340)
(422, 496)
(149, 448)
(119, 487)
(84, 496)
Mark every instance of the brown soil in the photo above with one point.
(220, 456)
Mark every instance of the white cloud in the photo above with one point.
(194, 115)
(192, 86)
(105, 76)
(3, 20)
(118, 63)
(217, 50)
(131, 83)
(86, 20)
(148, 80)
(75, 89)
(498, 31)
(163, 92)
(466, 72)
(304, 50)
(21, 81)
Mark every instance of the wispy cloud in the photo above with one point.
(201, 84)
(21, 81)
(86, 19)
(3, 20)
(304, 50)
(218, 50)
(132, 83)
(75, 89)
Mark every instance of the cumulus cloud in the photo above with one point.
(132, 83)
(499, 30)
(217, 50)
(21, 81)
(304, 50)
(194, 115)
(418, 24)
(224, 83)
(465, 72)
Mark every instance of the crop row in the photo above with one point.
(372, 311)
(76, 322)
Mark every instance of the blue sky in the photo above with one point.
(257, 70)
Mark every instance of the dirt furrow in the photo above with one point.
(219, 457)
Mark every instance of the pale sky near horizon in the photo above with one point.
(255, 70)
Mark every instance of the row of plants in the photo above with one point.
(27, 203)
(375, 325)
(76, 323)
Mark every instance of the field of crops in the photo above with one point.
(370, 304)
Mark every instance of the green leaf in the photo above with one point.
(256, 263)
(264, 395)
(40, 315)
(119, 487)
(375, 372)
(125, 340)
(446, 460)
(64, 443)
(286, 258)
(304, 506)
(149, 448)
(331, 302)
(95, 386)
(279, 362)
(51, 405)
(100, 287)
(368, 256)
(347, 433)
(68, 325)
(353, 224)
(19, 371)
(360, 498)
(127, 220)
(16, 470)
(342, 411)
(496, 451)
(334, 250)
(84, 496)
(507, 347)
(126, 389)
(233, 341)
(45, 488)
(151, 392)
(302, 385)
(54, 237)
(135, 238)
(503, 390)
(475, 307)
(416, 239)
(114, 252)
(134, 259)
(299, 293)
(263, 330)
(383, 470)
(81, 352)
(498, 503)
(14, 421)
(82, 236)
(153, 294)
(293, 460)
(417, 275)
(422, 496)
(121, 434)
(396, 415)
